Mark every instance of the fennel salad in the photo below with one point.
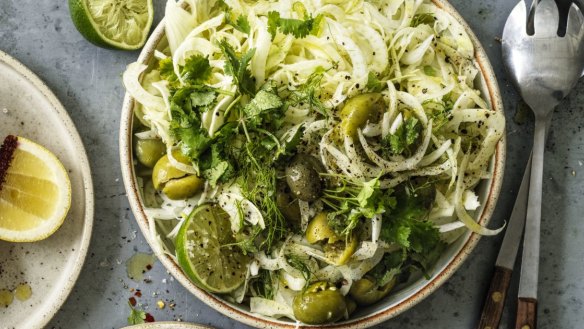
(303, 158)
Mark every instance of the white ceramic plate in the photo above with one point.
(29, 109)
(167, 325)
(396, 303)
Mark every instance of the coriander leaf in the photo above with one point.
(166, 68)
(296, 27)
(196, 69)
(203, 98)
(389, 266)
(242, 24)
(237, 67)
(263, 109)
(214, 174)
(374, 84)
(367, 191)
(136, 316)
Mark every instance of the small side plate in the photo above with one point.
(167, 325)
(50, 267)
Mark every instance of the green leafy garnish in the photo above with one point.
(404, 139)
(354, 201)
(136, 316)
(196, 69)
(374, 84)
(425, 18)
(237, 67)
(308, 93)
(241, 23)
(296, 27)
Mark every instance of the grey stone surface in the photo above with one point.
(87, 80)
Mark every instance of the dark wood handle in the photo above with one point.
(526, 313)
(495, 300)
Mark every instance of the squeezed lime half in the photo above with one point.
(205, 250)
(118, 24)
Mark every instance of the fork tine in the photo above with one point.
(517, 21)
(575, 22)
(546, 16)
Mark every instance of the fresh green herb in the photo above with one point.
(196, 70)
(258, 110)
(299, 263)
(296, 27)
(307, 93)
(353, 201)
(166, 69)
(407, 225)
(136, 316)
(439, 111)
(404, 139)
(241, 23)
(237, 67)
(263, 285)
(374, 84)
(389, 266)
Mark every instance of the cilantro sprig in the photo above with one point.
(297, 27)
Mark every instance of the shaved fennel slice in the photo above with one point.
(463, 216)
(131, 79)
(435, 155)
(179, 23)
(270, 307)
(234, 204)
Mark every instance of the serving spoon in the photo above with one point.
(544, 66)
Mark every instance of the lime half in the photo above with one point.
(205, 250)
(119, 24)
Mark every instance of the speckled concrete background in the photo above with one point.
(87, 81)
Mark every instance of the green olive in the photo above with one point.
(148, 151)
(183, 188)
(341, 251)
(320, 303)
(288, 205)
(358, 110)
(173, 182)
(303, 177)
(366, 291)
(319, 230)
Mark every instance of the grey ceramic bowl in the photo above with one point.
(394, 304)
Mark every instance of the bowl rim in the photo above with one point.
(232, 311)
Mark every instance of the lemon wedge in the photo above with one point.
(35, 191)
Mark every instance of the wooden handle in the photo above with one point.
(495, 300)
(526, 313)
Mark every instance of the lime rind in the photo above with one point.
(203, 253)
(113, 24)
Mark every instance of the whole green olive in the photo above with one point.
(320, 303)
(366, 291)
(358, 110)
(303, 177)
(173, 182)
(148, 151)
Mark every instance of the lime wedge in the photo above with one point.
(205, 252)
(118, 24)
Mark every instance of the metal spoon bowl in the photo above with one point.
(544, 67)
